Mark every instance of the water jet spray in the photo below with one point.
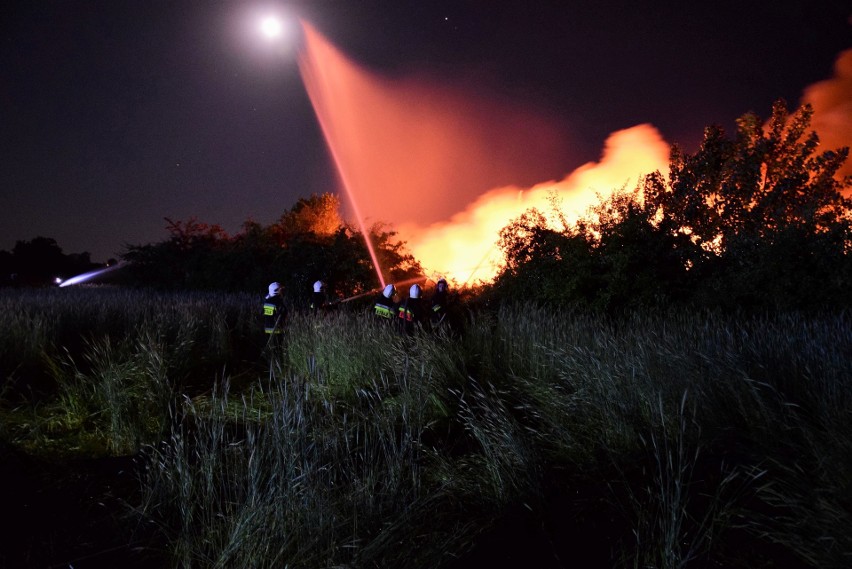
(314, 74)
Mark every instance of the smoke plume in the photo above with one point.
(412, 149)
(464, 247)
(832, 103)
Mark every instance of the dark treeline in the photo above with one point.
(39, 262)
(755, 221)
(309, 242)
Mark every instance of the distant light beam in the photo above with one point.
(85, 277)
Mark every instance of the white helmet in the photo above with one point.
(274, 289)
(318, 286)
(414, 291)
(389, 291)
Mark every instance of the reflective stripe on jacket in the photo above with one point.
(273, 314)
(384, 311)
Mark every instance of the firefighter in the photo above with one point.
(318, 300)
(438, 308)
(411, 313)
(385, 306)
(274, 313)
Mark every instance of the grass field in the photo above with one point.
(528, 436)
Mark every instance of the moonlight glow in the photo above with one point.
(271, 27)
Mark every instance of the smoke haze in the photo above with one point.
(464, 247)
(412, 149)
(832, 103)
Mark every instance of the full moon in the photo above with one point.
(271, 27)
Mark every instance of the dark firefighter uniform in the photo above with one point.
(438, 310)
(274, 312)
(411, 311)
(385, 307)
(318, 300)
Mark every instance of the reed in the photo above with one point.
(685, 438)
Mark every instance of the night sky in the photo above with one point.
(116, 114)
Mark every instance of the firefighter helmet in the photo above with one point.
(318, 286)
(274, 289)
(389, 291)
(414, 291)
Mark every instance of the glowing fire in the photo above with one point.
(832, 103)
(464, 249)
(416, 154)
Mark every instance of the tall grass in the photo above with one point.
(94, 370)
(767, 400)
(315, 465)
(685, 439)
(39, 322)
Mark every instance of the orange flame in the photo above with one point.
(464, 248)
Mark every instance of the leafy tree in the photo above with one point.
(765, 181)
(757, 220)
(307, 243)
(641, 262)
(545, 264)
(395, 262)
(318, 214)
(765, 208)
(39, 261)
(191, 257)
(614, 258)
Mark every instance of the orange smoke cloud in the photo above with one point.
(464, 248)
(832, 103)
(413, 150)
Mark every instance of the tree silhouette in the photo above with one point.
(309, 242)
(39, 262)
(757, 220)
(766, 181)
